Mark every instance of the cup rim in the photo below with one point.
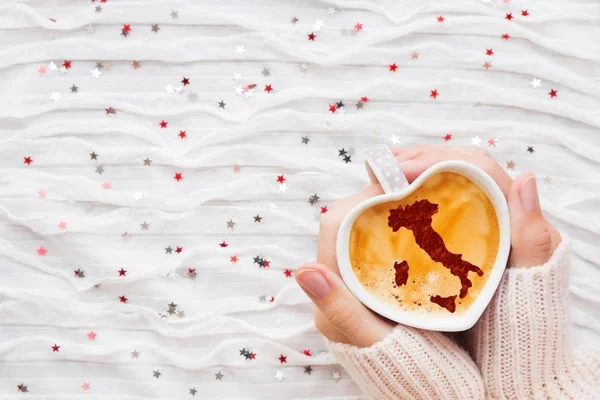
(449, 323)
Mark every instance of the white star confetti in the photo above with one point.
(169, 89)
(96, 73)
(536, 83)
(336, 376)
(279, 375)
(52, 66)
(331, 10)
(240, 50)
(138, 196)
(395, 139)
(475, 141)
(237, 77)
(283, 188)
(318, 26)
(55, 96)
(273, 206)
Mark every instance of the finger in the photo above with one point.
(341, 309)
(531, 241)
(409, 153)
(413, 168)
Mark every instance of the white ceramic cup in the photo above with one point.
(383, 168)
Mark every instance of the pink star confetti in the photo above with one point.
(106, 185)
(42, 69)
(233, 259)
(85, 386)
(358, 27)
(492, 142)
(41, 251)
(91, 335)
(42, 193)
(62, 225)
(440, 19)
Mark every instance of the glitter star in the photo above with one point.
(266, 72)
(42, 193)
(22, 388)
(156, 373)
(282, 359)
(236, 168)
(283, 188)
(182, 134)
(288, 273)
(110, 110)
(324, 210)
(332, 108)
(505, 36)
(79, 273)
(62, 225)
(42, 69)
(93, 156)
(27, 161)
(145, 226)
(174, 14)
(524, 13)
(312, 36)
(547, 179)
(393, 67)
(123, 299)
(313, 199)
(530, 149)
(99, 169)
(395, 139)
(85, 386)
(96, 73)
(193, 391)
(178, 176)
(487, 65)
(98, 9)
(155, 28)
(233, 259)
(475, 141)
(223, 244)
(135, 354)
(358, 27)
(434, 94)
(279, 375)
(552, 93)
(294, 20)
(41, 251)
(74, 89)
(336, 376)
(222, 104)
(510, 164)
(331, 11)
(55, 348)
(318, 25)
(125, 235)
(305, 139)
(122, 272)
(493, 142)
(163, 124)
(347, 159)
(178, 249)
(508, 16)
(230, 224)
(448, 137)
(135, 64)
(240, 50)
(91, 335)
(489, 52)
(219, 376)
(359, 105)
(268, 88)
(258, 219)
(536, 83)
(147, 161)
(89, 28)
(168, 250)
(308, 369)
(440, 19)
(55, 96)
(414, 55)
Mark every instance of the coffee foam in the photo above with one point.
(466, 220)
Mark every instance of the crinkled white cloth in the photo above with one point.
(43, 303)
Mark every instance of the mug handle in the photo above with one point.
(383, 168)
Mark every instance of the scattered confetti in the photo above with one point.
(536, 83)
(85, 386)
(475, 141)
(393, 67)
(530, 149)
(552, 93)
(510, 164)
(493, 142)
(91, 335)
(434, 94)
(448, 136)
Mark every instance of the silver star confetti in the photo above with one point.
(266, 72)
(230, 224)
(219, 376)
(135, 354)
(145, 226)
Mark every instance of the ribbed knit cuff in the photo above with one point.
(413, 364)
(521, 342)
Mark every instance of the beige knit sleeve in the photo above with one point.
(412, 364)
(521, 343)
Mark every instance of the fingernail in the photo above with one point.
(313, 282)
(529, 195)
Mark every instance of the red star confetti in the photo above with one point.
(288, 273)
(185, 81)
(364, 99)
(505, 36)
(126, 28)
(324, 210)
(85, 386)
(267, 264)
(434, 94)
(27, 161)
(22, 388)
(67, 64)
(55, 348)
(508, 16)
(91, 335)
(62, 225)
(552, 93)
(178, 176)
(282, 359)
(182, 134)
(123, 299)
(524, 13)
(489, 52)
(272, 299)
(307, 352)
(332, 108)
(312, 36)
(122, 272)
(393, 67)
(41, 251)
(178, 249)
(280, 178)
(163, 124)
(223, 244)
(448, 137)
(268, 88)
(440, 19)
(233, 259)
(358, 27)
(192, 272)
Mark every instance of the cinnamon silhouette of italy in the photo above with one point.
(417, 217)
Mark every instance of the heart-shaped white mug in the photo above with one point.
(383, 168)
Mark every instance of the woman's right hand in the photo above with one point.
(533, 238)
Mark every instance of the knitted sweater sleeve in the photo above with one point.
(412, 364)
(521, 343)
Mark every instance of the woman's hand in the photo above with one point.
(339, 315)
(533, 238)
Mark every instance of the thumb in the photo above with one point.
(531, 242)
(341, 309)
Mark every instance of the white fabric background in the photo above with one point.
(42, 303)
